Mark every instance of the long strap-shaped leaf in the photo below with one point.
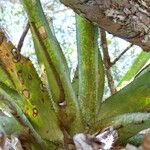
(55, 64)
(17, 112)
(36, 103)
(134, 97)
(135, 67)
(101, 78)
(88, 69)
(4, 77)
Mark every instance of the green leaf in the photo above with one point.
(139, 62)
(9, 97)
(35, 101)
(48, 48)
(134, 97)
(87, 45)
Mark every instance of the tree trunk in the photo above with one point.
(127, 19)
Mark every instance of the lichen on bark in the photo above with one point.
(127, 19)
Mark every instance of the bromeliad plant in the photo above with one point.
(56, 113)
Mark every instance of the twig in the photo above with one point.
(20, 44)
(75, 74)
(107, 62)
(124, 51)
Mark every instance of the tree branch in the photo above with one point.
(22, 38)
(122, 53)
(107, 62)
(112, 17)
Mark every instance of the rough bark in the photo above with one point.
(127, 19)
(107, 62)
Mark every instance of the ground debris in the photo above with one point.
(100, 141)
(12, 143)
